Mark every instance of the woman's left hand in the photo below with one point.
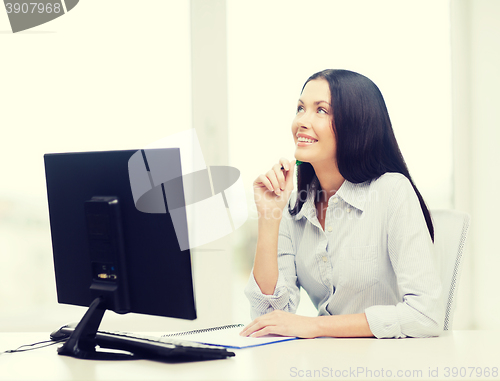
(282, 323)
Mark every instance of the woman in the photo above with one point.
(358, 237)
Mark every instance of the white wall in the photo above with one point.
(485, 182)
(274, 46)
(477, 135)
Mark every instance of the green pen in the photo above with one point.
(297, 162)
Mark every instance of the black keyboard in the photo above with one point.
(151, 347)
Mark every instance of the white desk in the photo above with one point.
(324, 359)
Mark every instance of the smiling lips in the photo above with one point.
(302, 141)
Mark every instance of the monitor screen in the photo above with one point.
(92, 206)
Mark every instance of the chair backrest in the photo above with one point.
(450, 233)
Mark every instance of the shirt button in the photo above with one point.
(348, 210)
(330, 228)
(325, 259)
(335, 200)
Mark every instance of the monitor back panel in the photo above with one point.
(159, 274)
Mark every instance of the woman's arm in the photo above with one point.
(420, 312)
(288, 324)
(265, 269)
(271, 193)
(354, 325)
(286, 293)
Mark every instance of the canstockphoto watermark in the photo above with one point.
(337, 207)
(205, 203)
(320, 194)
(384, 373)
(354, 372)
(29, 14)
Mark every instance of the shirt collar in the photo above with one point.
(353, 194)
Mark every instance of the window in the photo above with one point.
(116, 77)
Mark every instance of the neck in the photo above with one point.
(329, 178)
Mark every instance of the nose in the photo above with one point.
(304, 120)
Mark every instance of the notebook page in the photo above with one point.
(230, 338)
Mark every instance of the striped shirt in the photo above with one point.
(375, 256)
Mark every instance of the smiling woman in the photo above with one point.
(359, 239)
(318, 144)
(364, 146)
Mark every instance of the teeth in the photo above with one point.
(301, 139)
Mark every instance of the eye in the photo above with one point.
(300, 109)
(321, 110)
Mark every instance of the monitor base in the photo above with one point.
(82, 344)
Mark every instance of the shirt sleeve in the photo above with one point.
(421, 310)
(286, 294)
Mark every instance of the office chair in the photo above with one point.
(450, 233)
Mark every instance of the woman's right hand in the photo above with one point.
(272, 189)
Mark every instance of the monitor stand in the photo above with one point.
(82, 342)
(108, 289)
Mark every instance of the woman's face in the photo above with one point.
(312, 126)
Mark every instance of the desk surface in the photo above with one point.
(473, 355)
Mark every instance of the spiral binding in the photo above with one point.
(196, 331)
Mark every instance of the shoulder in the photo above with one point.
(392, 184)
(390, 190)
(390, 180)
(399, 194)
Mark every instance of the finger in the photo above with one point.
(285, 163)
(245, 329)
(273, 178)
(280, 176)
(290, 176)
(268, 330)
(262, 180)
(252, 323)
(251, 328)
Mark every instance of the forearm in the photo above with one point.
(288, 324)
(354, 325)
(265, 270)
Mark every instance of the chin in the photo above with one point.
(302, 158)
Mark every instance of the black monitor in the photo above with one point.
(108, 254)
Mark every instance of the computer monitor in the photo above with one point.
(108, 254)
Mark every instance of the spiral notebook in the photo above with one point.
(227, 336)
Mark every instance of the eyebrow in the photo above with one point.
(317, 102)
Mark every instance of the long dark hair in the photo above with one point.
(366, 145)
